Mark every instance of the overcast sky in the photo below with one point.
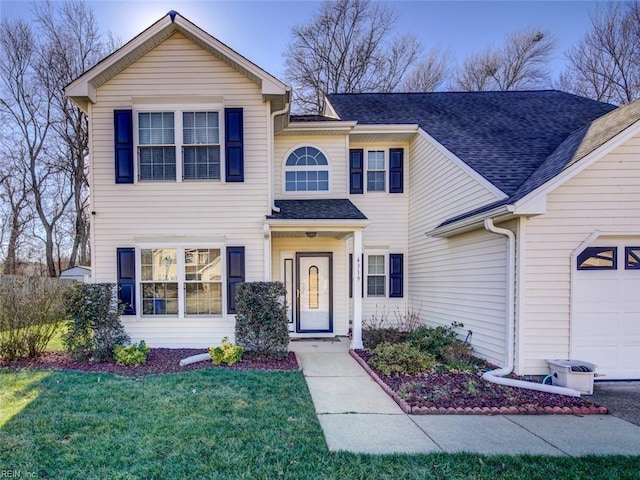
(260, 29)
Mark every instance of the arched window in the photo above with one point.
(306, 170)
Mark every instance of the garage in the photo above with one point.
(605, 327)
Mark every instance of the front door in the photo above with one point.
(314, 299)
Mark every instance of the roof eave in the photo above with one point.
(82, 90)
(321, 225)
(501, 213)
(325, 127)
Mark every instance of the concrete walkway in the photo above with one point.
(357, 416)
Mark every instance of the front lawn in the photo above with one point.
(215, 423)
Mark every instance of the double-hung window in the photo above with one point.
(376, 276)
(159, 281)
(193, 135)
(201, 146)
(156, 142)
(177, 281)
(376, 173)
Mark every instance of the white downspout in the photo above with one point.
(271, 139)
(497, 376)
(270, 197)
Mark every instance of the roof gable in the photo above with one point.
(504, 136)
(83, 90)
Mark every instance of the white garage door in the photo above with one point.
(606, 308)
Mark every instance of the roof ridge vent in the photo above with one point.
(172, 14)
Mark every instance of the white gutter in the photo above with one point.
(497, 376)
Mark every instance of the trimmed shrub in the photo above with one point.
(135, 354)
(94, 328)
(401, 358)
(261, 318)
(433, 339)
(226, 353)
(31, 310)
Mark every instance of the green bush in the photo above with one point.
(433, 339)
(31, 310)
(135, 354)
(93, 328)
(226, 353)
(401, 358)
(379, 328)
(261, 318)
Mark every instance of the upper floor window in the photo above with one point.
(157, 151)
(376, 172)
(201, 150)
(306, 170)
(195, 134)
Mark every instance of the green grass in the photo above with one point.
(55, 344)
(216, 424)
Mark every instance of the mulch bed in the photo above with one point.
(468, 393)
(159, 361)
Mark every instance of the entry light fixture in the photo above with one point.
(311, 234)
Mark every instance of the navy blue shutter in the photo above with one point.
(233, 146)
(396, 264)
(123, 143)
(396, 169)
(356, 171)
(126, 259)
(235, 275)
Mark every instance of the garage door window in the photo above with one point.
(632, 254)
(598, 258)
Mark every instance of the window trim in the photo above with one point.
(305, 192)
(385, 255)
(178, 109)
(181, 274)
(591, 251)
(384, 171)
(627, 249)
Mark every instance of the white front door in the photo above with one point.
(314, 312)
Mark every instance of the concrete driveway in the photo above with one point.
(622, 398)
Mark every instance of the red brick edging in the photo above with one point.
(406, 408)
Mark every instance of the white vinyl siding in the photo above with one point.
(605, 197)
(193, 214)
(332, 146)
(463, 278)
(387, 232)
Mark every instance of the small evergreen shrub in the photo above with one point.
(93, 328)
(226, 353)
(261, 318)
(433, 339)
(379, 328)
(135, 354)
(372, 337)
(401, 358)
(31, 310)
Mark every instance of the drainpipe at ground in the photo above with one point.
(498, 375)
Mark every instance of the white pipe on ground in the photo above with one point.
(201, 357)
(497, 376)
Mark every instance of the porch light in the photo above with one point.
(311, 234)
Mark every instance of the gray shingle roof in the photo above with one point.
(574, 148)
(504, 136)
(322, 209)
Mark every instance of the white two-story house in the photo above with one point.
(515, 213)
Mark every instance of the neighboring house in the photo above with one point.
(79, 274)
(489, 209)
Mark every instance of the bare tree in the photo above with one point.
(347, 48)
(521, 63)
(28, 106)
(428, 74)
(605, 65)
(74, 43)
